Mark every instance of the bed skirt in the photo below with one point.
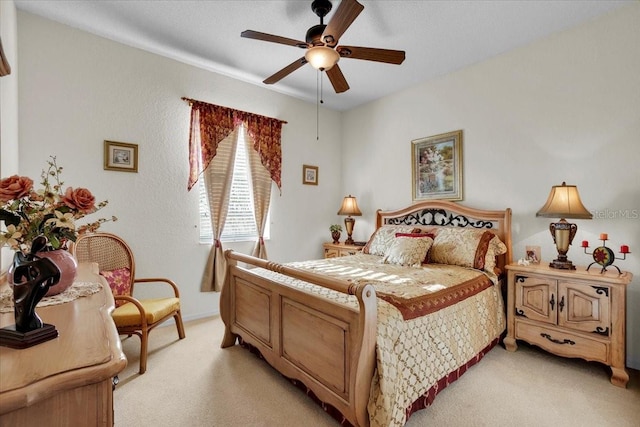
(422, 402)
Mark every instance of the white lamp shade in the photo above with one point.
(349, 207)
(322, 57)
(564, 202)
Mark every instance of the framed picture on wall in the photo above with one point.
(309, 175)
(120, 156)
(436, 167)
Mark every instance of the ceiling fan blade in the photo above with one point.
(344, 16)
(250, 34)
(285, 71)
(337, 79)
(372, 54)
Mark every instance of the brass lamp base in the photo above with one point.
(563, 233)
(348, 225)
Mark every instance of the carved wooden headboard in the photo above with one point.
(442, 213)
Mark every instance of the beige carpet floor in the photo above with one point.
(193, 382)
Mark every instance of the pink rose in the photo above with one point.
(15, 187)
(80, 199)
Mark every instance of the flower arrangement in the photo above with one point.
(29, 214)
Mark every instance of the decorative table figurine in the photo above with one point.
(32, 277)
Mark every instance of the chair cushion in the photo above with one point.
(119, 281)
(156, 309)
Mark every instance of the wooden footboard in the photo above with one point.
(328, 346)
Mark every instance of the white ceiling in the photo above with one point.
(438, 36)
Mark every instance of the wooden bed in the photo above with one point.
(327, 345)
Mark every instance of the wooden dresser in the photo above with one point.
(571, 313)
(67, 381)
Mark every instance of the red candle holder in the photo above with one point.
(603, 255)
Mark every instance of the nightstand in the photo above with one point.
(333, 250)
(571, 313)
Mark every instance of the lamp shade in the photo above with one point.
(564, 202)
(322, 57)
(349, 207)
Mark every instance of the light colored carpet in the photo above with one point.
(193, 382)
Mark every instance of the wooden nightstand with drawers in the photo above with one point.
(333, 250)
(571, 313)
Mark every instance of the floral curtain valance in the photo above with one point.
(211, 124)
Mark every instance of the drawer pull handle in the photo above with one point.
(566, 341)
(561, 304)
(552, 302)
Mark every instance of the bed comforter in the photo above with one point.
(432, 322)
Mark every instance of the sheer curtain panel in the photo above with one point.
(213, 139)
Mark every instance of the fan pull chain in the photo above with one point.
(321, 100)
(318, 101)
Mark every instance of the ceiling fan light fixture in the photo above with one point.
(322, 57)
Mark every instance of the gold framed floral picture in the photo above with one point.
(309, 175)
(120, 156)
(436, 167)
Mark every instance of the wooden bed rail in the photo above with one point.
(289, 326)
(344, 286)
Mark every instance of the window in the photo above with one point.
(240, 224)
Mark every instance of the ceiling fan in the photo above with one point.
(320, 43)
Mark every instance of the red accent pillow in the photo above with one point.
(119, 281)
(431, 235)
(416, 235)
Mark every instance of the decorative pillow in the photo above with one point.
(468, 248)
(119, 281)
(425, 230)
(383, 237)
(496, 247)
(416, 233)
(409, 251)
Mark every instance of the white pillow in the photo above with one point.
(409, 251)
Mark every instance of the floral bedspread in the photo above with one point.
(413, 353)
(414, 291)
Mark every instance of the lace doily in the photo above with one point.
(77, 290)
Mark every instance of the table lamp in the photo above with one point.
(349, 207)
(563, 202)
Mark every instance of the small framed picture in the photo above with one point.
(309, 175)
(120, 156)
(533, 254)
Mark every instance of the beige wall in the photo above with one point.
(566, 108)
(77, 89)
(8, 103)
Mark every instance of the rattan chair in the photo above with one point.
(131, 316)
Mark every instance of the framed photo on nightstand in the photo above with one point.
(533, 254)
